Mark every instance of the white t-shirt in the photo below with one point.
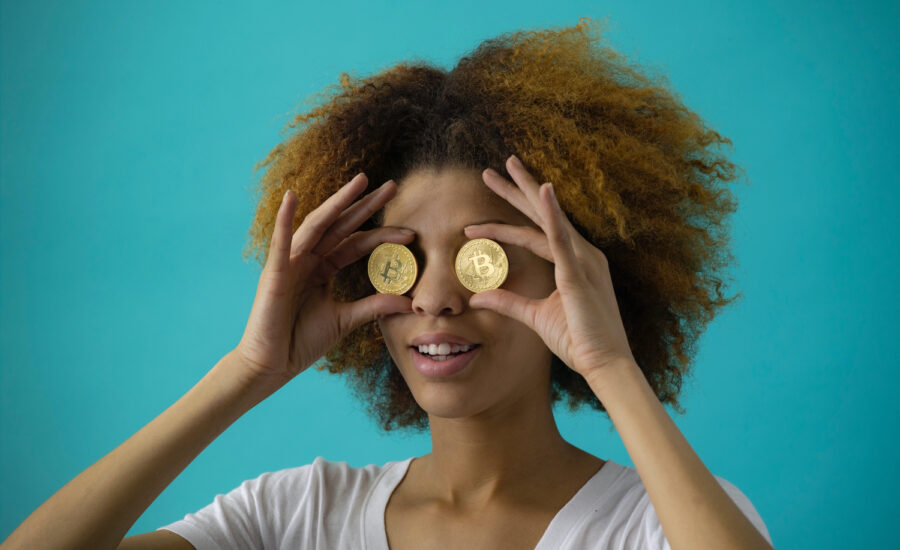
(331, 505)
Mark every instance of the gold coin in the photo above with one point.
(392, 268)
(481, 264)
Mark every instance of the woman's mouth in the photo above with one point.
(442, 360)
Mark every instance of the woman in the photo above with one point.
(480, 370)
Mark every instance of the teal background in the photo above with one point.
(129, 133)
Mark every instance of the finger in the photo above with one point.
(531, 189)
(353, 314)
(558, 236)
(513, 195)
(316, 222)
(358, 245)
(355, 215)
(528, 238)
(525, 181)
(280, 246)
(508, 303)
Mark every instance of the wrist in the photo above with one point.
(235, 379)
(610, 379)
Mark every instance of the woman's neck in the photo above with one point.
(517, 453)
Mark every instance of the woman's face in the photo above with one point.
(510, 363)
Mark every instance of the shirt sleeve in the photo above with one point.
(237, 519)
(655, 537)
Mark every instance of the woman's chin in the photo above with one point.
(441, 401)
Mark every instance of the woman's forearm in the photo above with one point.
(694, 511)
(98, 507)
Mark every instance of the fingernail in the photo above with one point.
(516, 160)
(492, 172)
(552, 192)
(408, 231)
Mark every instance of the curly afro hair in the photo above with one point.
(633, 168)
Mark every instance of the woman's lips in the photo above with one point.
(429, 367)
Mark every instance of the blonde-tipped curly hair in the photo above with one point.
(633, 168)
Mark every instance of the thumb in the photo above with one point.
(507, 303)
(354, 314)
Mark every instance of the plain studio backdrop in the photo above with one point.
(129, 134)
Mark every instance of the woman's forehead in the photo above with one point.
(450, 196)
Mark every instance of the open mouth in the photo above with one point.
(443, 362)
(436, 353)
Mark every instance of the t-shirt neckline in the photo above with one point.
(565, 520)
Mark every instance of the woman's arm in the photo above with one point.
(694, 510)
(98, 507)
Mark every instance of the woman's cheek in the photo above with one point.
(384, 327)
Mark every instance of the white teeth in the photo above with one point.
(443, 349)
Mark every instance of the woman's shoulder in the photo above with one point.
(287, 507)
(321, 484)
(626, 499)
(337, 476)
(341, 472)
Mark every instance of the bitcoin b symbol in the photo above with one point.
(482, 265)
(386, 274)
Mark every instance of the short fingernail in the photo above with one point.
(492, 172)
(516, 160)
(407, 231)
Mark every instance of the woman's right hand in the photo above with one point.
(295, 320)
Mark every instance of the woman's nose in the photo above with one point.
(438, 291)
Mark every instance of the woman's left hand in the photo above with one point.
(580, 320)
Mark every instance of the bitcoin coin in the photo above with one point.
(481, 264)
(392, 268)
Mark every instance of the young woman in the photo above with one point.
(633, 200)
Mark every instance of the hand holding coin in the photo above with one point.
(579, 321)
(295, 319)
